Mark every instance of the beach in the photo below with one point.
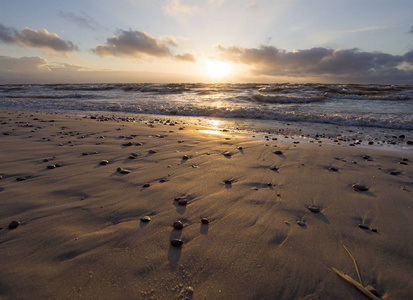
(263, 216)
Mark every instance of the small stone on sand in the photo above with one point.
(146, 185)
(185, 157)
(21, 178)
(301, 223)
(178, 225)
(204, 221)
(359, 187)
(104, 162)
(177, 242)
(14, 224)
(146, 219)
(363, 226)
(333, 169)
(278, 152)
(183, 202)
(314, 208)
(51, 166)
(123, 171)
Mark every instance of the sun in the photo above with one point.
(217, 68)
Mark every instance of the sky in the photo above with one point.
(94, 41)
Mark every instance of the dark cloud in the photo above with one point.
(31, 38)
(7, 34)
(81, 21)
(347, 63)
(134, 44)
(185, 57)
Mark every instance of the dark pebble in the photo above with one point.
(359, 187)
(1, 228)
(177, 243)
(51, 166)
(185, 157)
(14, 224)
(58, 165)
(204, 221)
(363, 226)
(395, 173)
(405, 159)
(123, 171)
(152, 151)
(301, 223)
(178, 225)
(21, 178)
(409, 142)
(227, 154)
(278, 152)
(228, 182)
(402, 163)
(177, 198)
(146, 185)
(183, 202)
(240, 148)
(274, 168)
(333, 169)
(127, 144)
(104, 162)
(314, 208)
(45, 160)
(146, 219)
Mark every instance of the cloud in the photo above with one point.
(22, 65)
(81, 21)
(134, 44)
(30, 38)
(320, 62)
(372, 28)
(185, 57)
(176, 8)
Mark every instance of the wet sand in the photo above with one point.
(257, 223)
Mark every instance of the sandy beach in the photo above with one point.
(259, 218)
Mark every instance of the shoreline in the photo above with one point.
(278, 213)
(371, 137)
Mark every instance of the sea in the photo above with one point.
(380, 113)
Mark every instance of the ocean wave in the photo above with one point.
(276, 99)
(53, 96)
(369, 97)
(85, 87)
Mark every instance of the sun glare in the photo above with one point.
(217, 69)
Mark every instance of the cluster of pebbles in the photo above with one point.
(178, 225)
